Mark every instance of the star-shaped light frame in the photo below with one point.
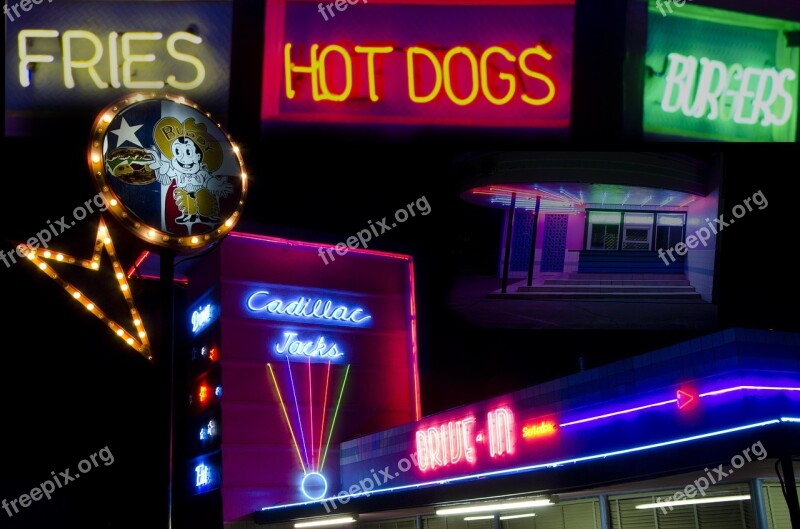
(39, 256)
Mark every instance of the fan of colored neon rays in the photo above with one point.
(310, 462)
(39, 256)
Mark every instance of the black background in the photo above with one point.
(71, 387)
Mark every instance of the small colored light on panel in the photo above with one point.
(203, 393)
(218, 391)
(213, 354)
(543, 429)
(203, 475)
(687, 399)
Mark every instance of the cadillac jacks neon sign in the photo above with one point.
(307, 309)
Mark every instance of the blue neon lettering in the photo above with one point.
(302, 307)
(200, 318)
(292, 346)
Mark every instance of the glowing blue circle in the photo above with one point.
(314, 486)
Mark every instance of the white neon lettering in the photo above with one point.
(201, 318)
(306, 308)
(744, 95)
(203, 475)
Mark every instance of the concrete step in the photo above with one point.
(620, 282)
(597, 295)
(607, 288)
(622, 276)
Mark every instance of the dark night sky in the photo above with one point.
(72, 388)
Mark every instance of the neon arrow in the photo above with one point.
(684, 399)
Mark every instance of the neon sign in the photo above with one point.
(203, 475)
(201, 318)
(316, 310)
(738, 81)
(450, 443)
(457, 62)
(453, 442)
(67, 58)
(709, 89)
(292, 346)
(543, 429)
(124, 54)
(467, 71)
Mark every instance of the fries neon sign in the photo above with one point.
(125, 57)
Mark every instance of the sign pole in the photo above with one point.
(167, 352)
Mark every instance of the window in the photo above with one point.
(637, 231)
(604, 230)
(669, 230)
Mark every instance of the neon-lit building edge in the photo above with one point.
(612, 438)
(602, 218)
(285, 358)
(281, 433)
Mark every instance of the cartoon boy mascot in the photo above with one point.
(189, 155)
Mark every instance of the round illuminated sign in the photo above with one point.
(169, 173)
(314, 485)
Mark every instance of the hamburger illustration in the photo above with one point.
(131, 165)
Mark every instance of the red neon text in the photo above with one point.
(449, 443)
(501, 432)
(460, 73)
(538, 430)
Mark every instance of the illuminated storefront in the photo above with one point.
(574, 217)
(581, 446)
(287, 357)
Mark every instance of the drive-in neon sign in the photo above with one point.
(454, 442)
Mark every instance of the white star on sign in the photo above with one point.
(127, 133)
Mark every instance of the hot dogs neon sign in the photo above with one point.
(496, 74)
(476, 64)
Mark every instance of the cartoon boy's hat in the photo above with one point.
(169, 129)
